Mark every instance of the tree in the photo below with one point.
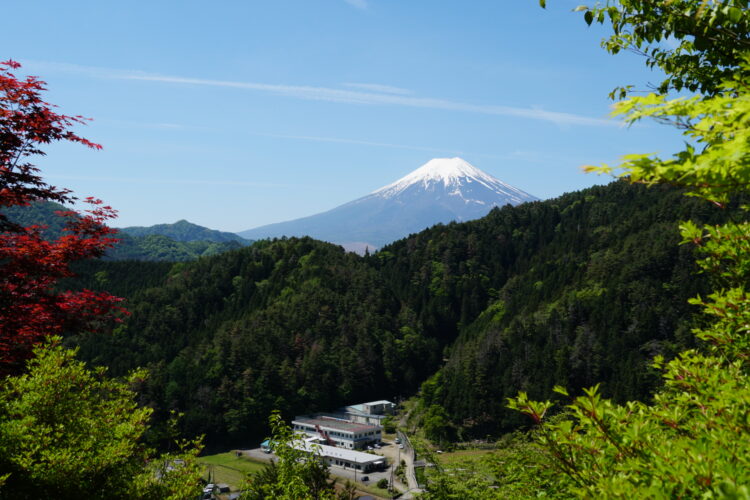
(69, 432)
(708, 39)
(297, 475)
(437, 426)
(65, 431)
(693, 439)
(30, 308)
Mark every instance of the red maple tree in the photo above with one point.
(30, 266)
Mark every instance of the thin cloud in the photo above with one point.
(90, 71)
(150, 181)
(357, 97)
(376, 87)
(160, 126)
(151, 125)
(348, 96)
(341, 140)
(360, 4)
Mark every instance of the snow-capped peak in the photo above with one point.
(452, 173)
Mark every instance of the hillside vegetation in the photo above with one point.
(582, 289)
(176, 242)
(522, 299)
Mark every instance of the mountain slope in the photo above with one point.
(297, 325)
(157, 247)
(578, 290)
(575, 290)
(440, 191)
(164, 242)
(185, 231)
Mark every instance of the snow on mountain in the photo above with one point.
(453, 173)
(440, 191)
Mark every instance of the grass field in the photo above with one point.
(228, 468)
(460, 460)
(461, 455)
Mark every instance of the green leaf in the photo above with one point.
(588, 17)
(560, 390)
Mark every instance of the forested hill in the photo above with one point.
(582, 289)
(575, 290)
(296, 325)
(176, 242)
(185, 231)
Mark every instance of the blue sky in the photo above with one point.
(234, 114)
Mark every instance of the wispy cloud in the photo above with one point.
(360, 4)
(151, 125)
(31, 67)
(341, 140)
(330, 94)
(150, 181)
(357, 97)
(376, 87)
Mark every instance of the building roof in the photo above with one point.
(335, 423)
(381, 402)
(359, 457)
(354, 410)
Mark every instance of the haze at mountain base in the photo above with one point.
(440, 191)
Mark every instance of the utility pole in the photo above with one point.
(392, 488)
(398, 461)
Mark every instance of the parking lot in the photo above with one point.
(388, 450)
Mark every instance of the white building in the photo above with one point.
(338, 432)
(371, 413)
(339, 457)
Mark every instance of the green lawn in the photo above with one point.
(228, 468)
(460, 455)
(459, 460)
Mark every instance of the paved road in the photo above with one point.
(408, 456)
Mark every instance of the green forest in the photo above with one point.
(180, 241)
(599, 339)
(577, 290)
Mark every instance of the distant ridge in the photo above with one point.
(184, 231)
(440, 191)
(180, 241)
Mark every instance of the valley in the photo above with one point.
(581, 289)
(447, 335)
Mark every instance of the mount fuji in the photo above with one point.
(441, 190)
